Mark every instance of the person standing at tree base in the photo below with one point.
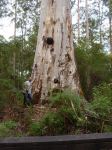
(27, 92)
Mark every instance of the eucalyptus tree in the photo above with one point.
(110, 24)
(28, 15)
(108, 3)
(15, 21)
(54, 65)
(25, 15)
(87, 19)
(78, 9)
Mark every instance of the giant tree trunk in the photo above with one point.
(54, 63)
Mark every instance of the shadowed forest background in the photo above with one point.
(66, 112)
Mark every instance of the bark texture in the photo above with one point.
(54, 63)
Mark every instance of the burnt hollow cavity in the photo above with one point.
(52, 2)
(35, 65)
(68, 57)
(52, 50)
(56, 81)
(49, 41)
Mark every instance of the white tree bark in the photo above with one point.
(54, 64)
(87, 19)
(110, 25)
(78, 19)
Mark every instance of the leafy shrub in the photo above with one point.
(107, 128)
(94, 116)
(9, 95)
(102, 102)
(65, 119)
(102, 108)
(7, 128)
(103, 89)
(35, 128)
(94, 66)
(51, 124)
(66, 98)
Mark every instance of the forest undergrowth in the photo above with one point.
(66, 113)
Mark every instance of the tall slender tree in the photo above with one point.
(110, 24)
(15, 20)
(108, 3)
(78, 19)
(87, 19)
(100, 21)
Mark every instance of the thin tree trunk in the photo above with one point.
(110, 25)
(100, 22)
(78, 19)
(14, 53)
(87, 20)
(54, 63)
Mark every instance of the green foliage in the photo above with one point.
(35, 128)
(102, 102)
(94, 66)
(64, 118)
(71, 114)
(9, 95)
(103, 89)
(65, 97)
(102, 106)
(51, 124)
(67, 100)
(107, 128)
(12, 83)
(101, 120)
(54, 123)
(8, 128)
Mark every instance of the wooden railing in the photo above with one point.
(67, 142)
